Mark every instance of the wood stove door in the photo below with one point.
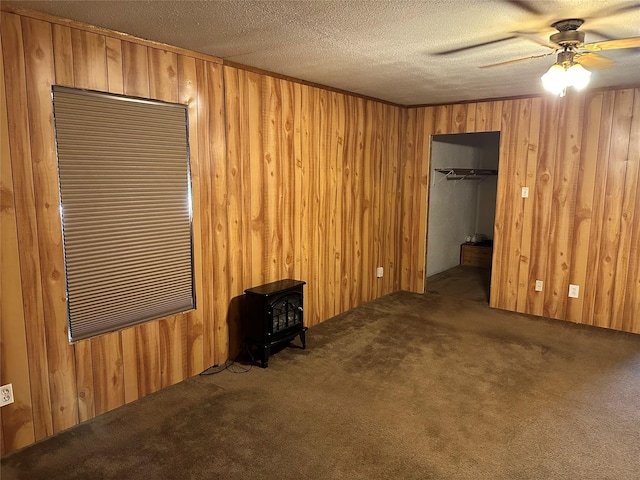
(286, 314)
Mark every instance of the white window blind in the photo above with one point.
(124, 180)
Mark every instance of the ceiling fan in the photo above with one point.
(572, 56)
(569, 44)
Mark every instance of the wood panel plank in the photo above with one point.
(356, 188)
(219, 239)
(421, 175)
(17, 420)
(89, 60)
(300, 193)
(430, 126)
(631, 314)
(494, 123)
(287, 169)
(84, 380)
(272, 178)
(115, 75)
(135, 69)
(628, 244)
(63, 54)
(311, 122)
(584, 220)
(390, 200)
(108, 374)
(382, 181)
(563, 207)
(443, 119)
(471, 118)
(517, 209)
(348, 273)
(408, 160)
(130, 365)
(244, 194)
(613, 211)
(378, 188)
(542, 199)
(236, 153)
(458, 118)
(258, 257)
(368, 262)
(173, 350)
(591, 290)
(147, 342)
(526, 285)
(336, 152)
(484, 114)
(206, 117)
(188, 94)
(321, 244)
(163, 75)
(508, 222)
(306, 191)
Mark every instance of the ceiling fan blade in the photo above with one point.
(516, 60)
(526, 6)
(593, 61)
(632, 42)
(610, 12)
(469, 47)
(532, 37)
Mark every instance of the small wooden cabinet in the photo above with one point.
(476, 254)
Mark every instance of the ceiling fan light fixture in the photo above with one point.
(578, 76)
(561, 76)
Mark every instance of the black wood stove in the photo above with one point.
(273, 316)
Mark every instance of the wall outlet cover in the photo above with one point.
(379, 272)
(574, 291)
(525, 192)
(6, 394)
(539, 285)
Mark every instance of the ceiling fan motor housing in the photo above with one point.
(568, 34)
(568, 38)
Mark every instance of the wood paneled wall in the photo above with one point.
(288, 181)
(579, 156)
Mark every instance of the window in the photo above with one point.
(125, 205)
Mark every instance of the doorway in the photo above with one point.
(462, 207)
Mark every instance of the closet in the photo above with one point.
(462, 203)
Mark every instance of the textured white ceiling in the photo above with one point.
(383, 49)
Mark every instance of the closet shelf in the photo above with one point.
(466, 173)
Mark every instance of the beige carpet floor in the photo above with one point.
(433, 386)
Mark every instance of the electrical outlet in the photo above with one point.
(379, 272)
(6, 394)
(539, 285)
(525, 192)
(574, 291)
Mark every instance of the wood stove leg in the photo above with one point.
(303, 339)
(266, 351)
